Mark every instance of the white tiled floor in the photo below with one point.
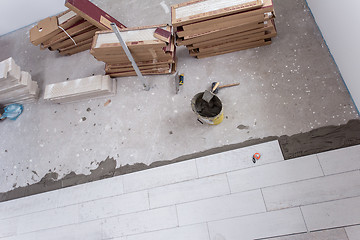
(220, 197)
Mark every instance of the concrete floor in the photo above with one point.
(288, 87)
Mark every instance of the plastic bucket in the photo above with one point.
(210, 113)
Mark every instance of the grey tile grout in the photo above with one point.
(228, 183)
(177, 216)
(262, 194)
(197, 168)
(302, 214)
(346, 233)
(208, 230)
(321, 167)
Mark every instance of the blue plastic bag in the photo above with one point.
(12, 111)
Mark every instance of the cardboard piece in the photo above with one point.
(44, 30)
(163, 35)
(92, 13)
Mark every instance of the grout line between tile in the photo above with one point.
(264, 200)
(347, 236)
(302, 214)
(228, 183)
(317, 157)
(197, 169)
(208, 230)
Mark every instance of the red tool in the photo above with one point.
(256, 157)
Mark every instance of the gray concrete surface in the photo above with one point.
(289, 87)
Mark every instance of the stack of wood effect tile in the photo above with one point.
(16, 86)
(214, 27)
(80, 89)
(73, 30)
(152, 55)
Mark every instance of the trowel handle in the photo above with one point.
(229, 85)
(215, 87)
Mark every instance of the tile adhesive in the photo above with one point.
(298, 145)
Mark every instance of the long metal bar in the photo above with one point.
(128, 54)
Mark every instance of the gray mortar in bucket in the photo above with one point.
(204, 108)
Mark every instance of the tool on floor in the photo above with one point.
(256, 157)
(130, 57)
(223, 86)
(208, 95)
(179, 81)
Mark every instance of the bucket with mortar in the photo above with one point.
(211, 113)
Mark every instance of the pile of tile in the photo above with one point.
(214, 27)
(16, 86)
(73, 30)
(80, 89)
(152, 55)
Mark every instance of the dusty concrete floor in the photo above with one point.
(289, 87)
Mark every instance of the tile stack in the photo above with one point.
(213, 27)
(80, 89)
(16, 86)
(152, 55)
(73, 30)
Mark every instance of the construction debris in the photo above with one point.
(152, 55)
(213, 27)
(80, 89)
(16, 86)
(73, 30)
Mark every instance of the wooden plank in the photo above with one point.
(77, 38)
(221, 8)
(82, 27)
(237, 36)
(235, 43)
(219, 26)
(266, 8)
(76, 50)
(144, 63)
(133, 73)
(130, 68)
(92, 13)
(220, 33)
(78, 44)
(224, 51)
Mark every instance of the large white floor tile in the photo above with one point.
(340, 160)
(275, 174)
(113, 206)
(270, 224)
(332, 214)
(193, 232)
(189, 191)
(8, 227)
(353, 232)
(91, 191)
(217, 208)
(331, 234)
(48, 219)
(312, 191)
(160, 176)
(239, 159)
(30, 204)
(88, 231)
(141, 222)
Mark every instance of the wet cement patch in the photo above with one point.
(321, 140)
(298, 145)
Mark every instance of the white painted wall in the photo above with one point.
(16, 14)
(338, 22)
